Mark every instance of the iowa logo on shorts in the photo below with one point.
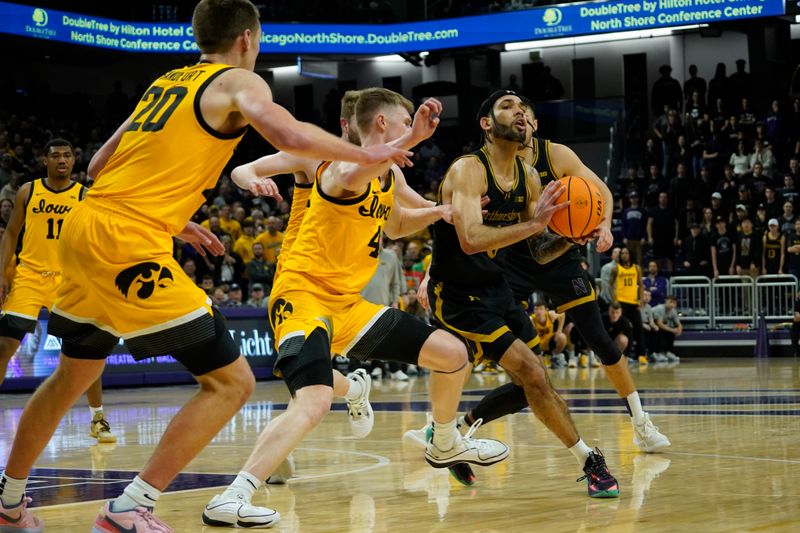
(281, 310)
(579, 285)
(145, 275)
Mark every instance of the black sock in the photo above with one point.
(504, 400)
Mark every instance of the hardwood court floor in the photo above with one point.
(733, 465)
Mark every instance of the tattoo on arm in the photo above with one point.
(546, 246)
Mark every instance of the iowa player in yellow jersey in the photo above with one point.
(254, 177)
(627, 286)
(549, 327)
(119, 277)
(316, 308)
(40, 208)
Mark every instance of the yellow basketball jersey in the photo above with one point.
(627, 284)
(300, 199)
(169, 155)
(543, 330)
(44, 216)
(339, 241)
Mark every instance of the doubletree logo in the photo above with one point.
(40, 17)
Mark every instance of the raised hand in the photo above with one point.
(426, 119)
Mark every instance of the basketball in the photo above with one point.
(584, 212)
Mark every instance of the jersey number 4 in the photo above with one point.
(375, 244)
(158, 99)
(54, 227)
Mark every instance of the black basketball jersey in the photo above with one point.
(541, 161)
(450, 263)
(520, 266)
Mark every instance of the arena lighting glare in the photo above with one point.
(393, 58)
(600, 38)
(290, 69)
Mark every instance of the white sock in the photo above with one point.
(635, 404)
(581, 452)
(354, 391)
(95, 410)
(11, 490)
(444, 434)
(461, 422)
(139, 493)
(245, 484)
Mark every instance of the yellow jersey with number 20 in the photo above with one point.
(168, 155)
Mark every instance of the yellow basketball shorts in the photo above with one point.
(310, 325)
(30, 291)
(119, 279)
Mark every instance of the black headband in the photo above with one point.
(488, 104)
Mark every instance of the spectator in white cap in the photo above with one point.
(741, 214)
(257, 296)
(772, 260)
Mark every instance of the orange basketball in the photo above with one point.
(584, 212)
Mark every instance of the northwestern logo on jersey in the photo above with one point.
(579, 286)
(144, 275)
(57, 209)
(281, 310)
(376, 209)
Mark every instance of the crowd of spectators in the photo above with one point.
(714, 185)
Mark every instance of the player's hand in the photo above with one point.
(4, 290)
(264, 187)
(546, 207)
(605, 240)
(426, 119)
(201, 239)
(583, 240)
(422, 293)
(383, 152)
(447, 212)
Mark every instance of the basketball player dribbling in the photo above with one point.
(468, 293)
(316, 308)
(119, 276)
(561, 278)
(41, 207)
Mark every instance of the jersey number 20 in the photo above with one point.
(159, 98)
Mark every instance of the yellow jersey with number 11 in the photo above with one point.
(44, 217)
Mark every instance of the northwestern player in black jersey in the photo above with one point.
(568, 286)
(468, 292)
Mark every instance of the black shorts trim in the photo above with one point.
(395, 336)
(81, 340)
(16, 327)
(197, 331)
(487, 319)
(206, 356)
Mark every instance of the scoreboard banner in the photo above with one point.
(566, 20)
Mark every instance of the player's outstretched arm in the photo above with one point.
(410, 198)
(354, 177)
(254, 176)
(250, 95)
(404, 221)
(569, 164)
(8, 244)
